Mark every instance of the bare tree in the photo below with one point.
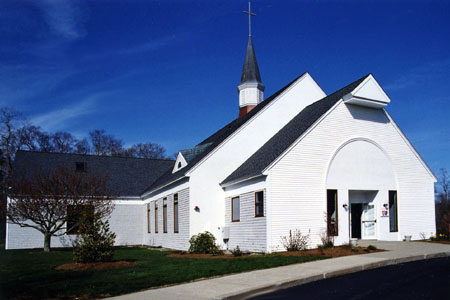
(27, 137)
(146, 150)
(63, 142)
(443, 204)
(44, 200)
(82, 147)
(44, 142)
(105, 144)
(9, 143)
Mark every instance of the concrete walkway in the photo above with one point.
(249, 284)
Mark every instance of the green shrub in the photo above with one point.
(295, 241)
(236, 251)
(371, 248)
(95, 243)
(327, 240)
(204, 243)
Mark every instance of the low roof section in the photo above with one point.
(127, 176)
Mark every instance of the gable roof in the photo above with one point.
(255, 165)
(127, 176)
(210, 143)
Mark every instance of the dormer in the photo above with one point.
(180, 162)
(369, 93)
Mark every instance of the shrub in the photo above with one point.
(95, 243)
(204, 243)
(371, 248)
(295, 241)
(423, 236)
(236, 251)
(327, 240)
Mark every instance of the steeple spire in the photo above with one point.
(251, 88)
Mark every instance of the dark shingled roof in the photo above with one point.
(250, 70)
(271, 150)
(127, 176)
(214, 140)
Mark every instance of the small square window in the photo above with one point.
(80, 166)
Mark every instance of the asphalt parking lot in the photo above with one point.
(424, 279)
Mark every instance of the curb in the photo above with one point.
(245, 294)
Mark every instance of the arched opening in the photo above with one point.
(361, 176)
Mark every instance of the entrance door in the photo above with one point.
(356, 211)
(368, 221)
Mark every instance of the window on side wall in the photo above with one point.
(259, 204)
(175, 213)
(393, 215)
(165, 215)
(148, 218)
(156, 216)
(332, 213)
(235, 209)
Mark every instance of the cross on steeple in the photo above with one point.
(250, 14)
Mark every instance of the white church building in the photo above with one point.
(300, 159)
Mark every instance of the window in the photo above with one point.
(75, 216)
(259, 204)
(393, 219)
(148, 218)
(165, 215)
(175, 213)
(156, 216)
(179, 164)
(235, 209)
(80, 167)
(332, 213)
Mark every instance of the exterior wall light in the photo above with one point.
(345, 205)
(197, 209)
(385, 205)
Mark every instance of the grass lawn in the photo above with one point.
(31, 274)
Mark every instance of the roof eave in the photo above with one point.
(147, 193)
(240, 180)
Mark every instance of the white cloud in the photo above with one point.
(64, 117)
(65, 18)
(21, 82)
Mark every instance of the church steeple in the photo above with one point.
(251, 89)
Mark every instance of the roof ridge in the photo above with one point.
(287, 135)
(217, 138)
(94, 155)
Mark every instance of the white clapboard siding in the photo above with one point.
(298, 180)
(250, 232)
(171, 240)
(125, 221)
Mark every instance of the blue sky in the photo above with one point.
(167, 71)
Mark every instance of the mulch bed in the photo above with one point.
(331, 252)
(96, 266)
